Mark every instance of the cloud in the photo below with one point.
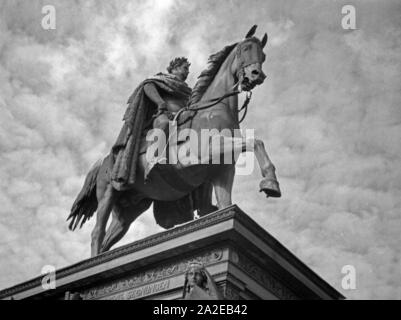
(328, 113)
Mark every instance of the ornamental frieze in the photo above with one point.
(262, 277)
(150, 276)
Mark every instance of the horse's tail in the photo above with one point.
(85, 204)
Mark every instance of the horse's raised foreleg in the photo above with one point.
(123, 217)
(269, 185)
(223, 185)
(105, 204)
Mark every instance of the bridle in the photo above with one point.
(214, 101)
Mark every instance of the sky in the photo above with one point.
(328, 112)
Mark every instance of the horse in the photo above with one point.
(213, 105)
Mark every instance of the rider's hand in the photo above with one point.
(169, 115)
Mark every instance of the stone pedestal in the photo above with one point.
(243, 259)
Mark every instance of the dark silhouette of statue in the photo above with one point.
(128, 181)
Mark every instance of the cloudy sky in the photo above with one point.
(329, 113)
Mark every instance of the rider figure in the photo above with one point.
(168, 104)
(154, 102)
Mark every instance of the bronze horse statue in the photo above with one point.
(214, 106)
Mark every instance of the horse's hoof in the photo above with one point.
(270, 187)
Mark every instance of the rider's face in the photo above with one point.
(182, 71)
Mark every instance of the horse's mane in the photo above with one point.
(206, 77)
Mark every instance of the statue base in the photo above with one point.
(244, 260)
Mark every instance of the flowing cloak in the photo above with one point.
(137, 120)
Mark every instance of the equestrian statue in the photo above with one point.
(130, 179)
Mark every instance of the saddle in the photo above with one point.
(184, 121)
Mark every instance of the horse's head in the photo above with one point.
(249, 60)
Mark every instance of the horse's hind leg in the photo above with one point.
(123, 217)
(106, 201)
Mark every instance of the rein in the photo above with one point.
(245, 105)
(212, 102)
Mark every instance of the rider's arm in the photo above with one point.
(152, 93)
